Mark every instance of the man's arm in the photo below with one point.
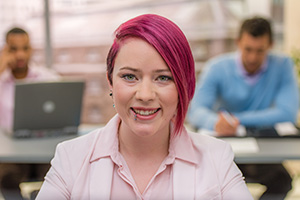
(201, 114)
(286, 102)
(7, 60)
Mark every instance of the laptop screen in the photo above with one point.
(48, 105)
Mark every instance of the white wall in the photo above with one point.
(259, 7)
(291, 25)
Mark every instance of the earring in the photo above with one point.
(111, 94)
(114, 105)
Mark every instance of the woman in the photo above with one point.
(144, 152)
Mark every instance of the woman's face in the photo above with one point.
(144, 93)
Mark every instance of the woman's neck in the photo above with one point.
(139, 146)
(143, 155)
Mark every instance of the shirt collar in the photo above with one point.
(107, 140)
(181, 146)
(8, 76)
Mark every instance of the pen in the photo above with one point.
(228, 117)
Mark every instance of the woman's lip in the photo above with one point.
(141, 117)
(144, 116)
(145, 111)
(136, 109)
(142, 108)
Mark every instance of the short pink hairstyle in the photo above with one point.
(170, 42)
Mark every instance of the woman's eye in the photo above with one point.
(164, 78)
(128, 77)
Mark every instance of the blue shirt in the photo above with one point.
(271, 99)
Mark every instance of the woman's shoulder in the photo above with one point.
(99, 137)
(82, 140)
(206, 140)
(211, 147)
(80, 145)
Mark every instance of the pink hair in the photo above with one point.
(167, 38)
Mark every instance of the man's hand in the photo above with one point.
(226, 125)
(7, 60)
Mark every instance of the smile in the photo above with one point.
(145, 112)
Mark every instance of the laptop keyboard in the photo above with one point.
(25, 133)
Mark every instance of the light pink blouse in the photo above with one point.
(91, 167)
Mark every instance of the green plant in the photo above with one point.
(295, 55)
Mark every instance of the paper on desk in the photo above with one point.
(286, 128)
(243, 145)
(241, 131)
(207, 132)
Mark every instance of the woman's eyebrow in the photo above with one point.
(137, 70)
(129, 68)
(162, 70)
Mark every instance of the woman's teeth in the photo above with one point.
(145, 112)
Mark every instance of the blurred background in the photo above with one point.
(73, 36)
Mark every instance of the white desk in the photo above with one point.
(270, 150)
(42, 150)
(32, 150)
(28, 150)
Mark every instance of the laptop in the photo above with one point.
(47, 109)
(279, 130)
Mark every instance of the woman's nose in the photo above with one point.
(146, 91)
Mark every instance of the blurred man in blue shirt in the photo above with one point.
(259, 89)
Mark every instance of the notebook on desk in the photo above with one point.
(47, 109)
